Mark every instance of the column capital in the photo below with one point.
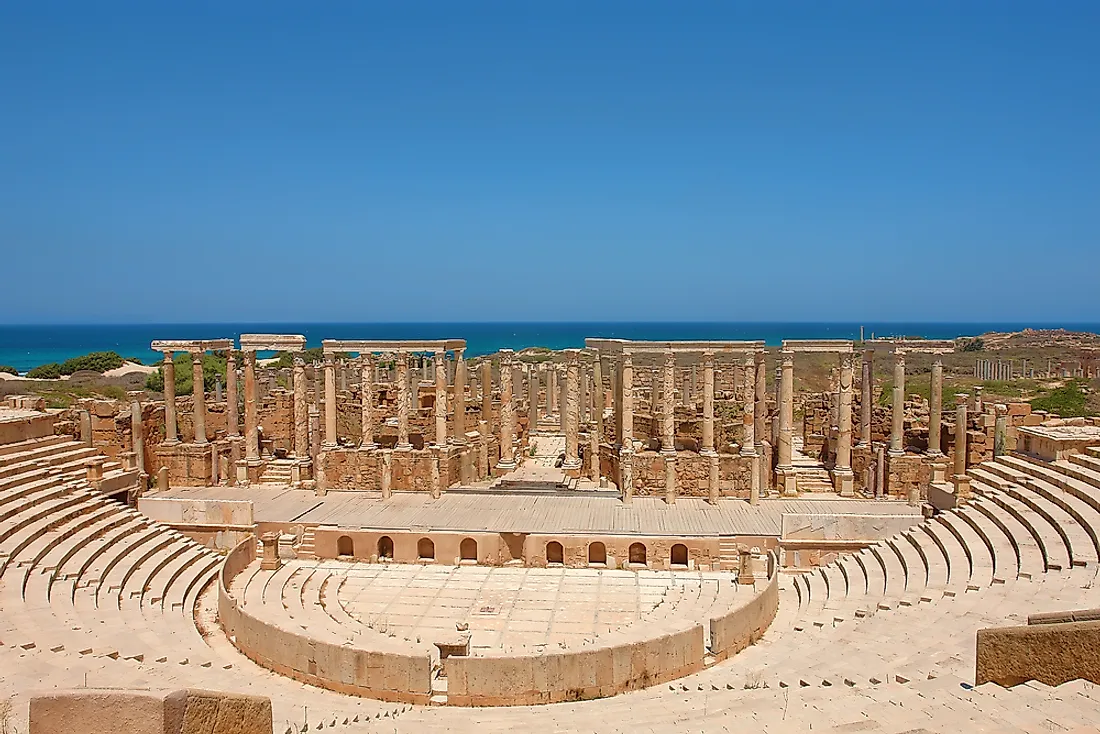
(708, 358)
(787, 357)
(760, 355)
(899, 356)
(846, 361)
(670, 357)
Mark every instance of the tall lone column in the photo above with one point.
(507, 413)
(231, 421)
(598, 397)
(785, 476)
(935, 409)
(961, 480)
(169, 370)
(137, 433)
(625, 428)
(487, 390)
(330, 401)
(301, 411)
(572, 410)
(198, 389)
(707, 449)
(897, 430)
(532, 400)
(251, 417)
(668, 426)
(402, 386)
(366, 395)
(460, 397)
(843, 477)
(440, 399)
(748, 418)
(760, 409)
(708, 404)
(866, 401)
(668, 404)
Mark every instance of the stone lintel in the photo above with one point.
(272, 342)
(914, 346)
(190, 345)
(835, 346)
(617, 346)
(361, 346)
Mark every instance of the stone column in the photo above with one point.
(460, 397)
(401, 384)
(198, 389)
(137, 434)
(1000, 429)
(330, 401)
(251, 415)
(599, 399)
(301, 411)
(171, 436)
(708, 404)
(897, 430)
(549, 397)
(935, 409)
(843, 477)
(555, 405)
(760, 409)
(366, 395)
(572, 410)
(507, 413)
(785, 476)
(748, 418)
(532, 400)
(867, 398)
(562, 411)
(487, 390)
(440, 399)
(232, 425)
(626, 429)
(668, 405)
(962, 482)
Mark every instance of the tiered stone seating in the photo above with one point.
(91, 592)
(881, 640)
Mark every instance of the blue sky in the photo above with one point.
(411, 161)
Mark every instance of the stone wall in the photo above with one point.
(377, 666)
(111, 711)
(1053, 653)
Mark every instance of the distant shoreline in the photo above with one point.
(27, 346)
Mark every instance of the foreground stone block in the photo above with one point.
(1049, 653)
(111, 711)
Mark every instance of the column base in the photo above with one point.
(749, 452)
(786, 481)
(895, 452)
(505, 466)
(403, 447)
(844, 482)
(962, 487)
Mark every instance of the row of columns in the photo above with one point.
(404, 398)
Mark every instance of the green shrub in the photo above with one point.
(51, 371)
(8, 369)
(1068, 401)
(212, 364)
(976, 344)
(95, 361)
(112, 391)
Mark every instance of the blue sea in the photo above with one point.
(24, 347)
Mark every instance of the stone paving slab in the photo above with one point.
(463, 511)
(511, 608)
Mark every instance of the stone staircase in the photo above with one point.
(277, 471)
(308, 547)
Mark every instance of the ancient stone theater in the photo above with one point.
(397, 536)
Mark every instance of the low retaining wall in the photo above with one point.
(107, 711)
(619, 664)
(741, 627)
(1051, 649)
(389, 675)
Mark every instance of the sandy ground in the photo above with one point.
(129, 367)
(126, 369)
